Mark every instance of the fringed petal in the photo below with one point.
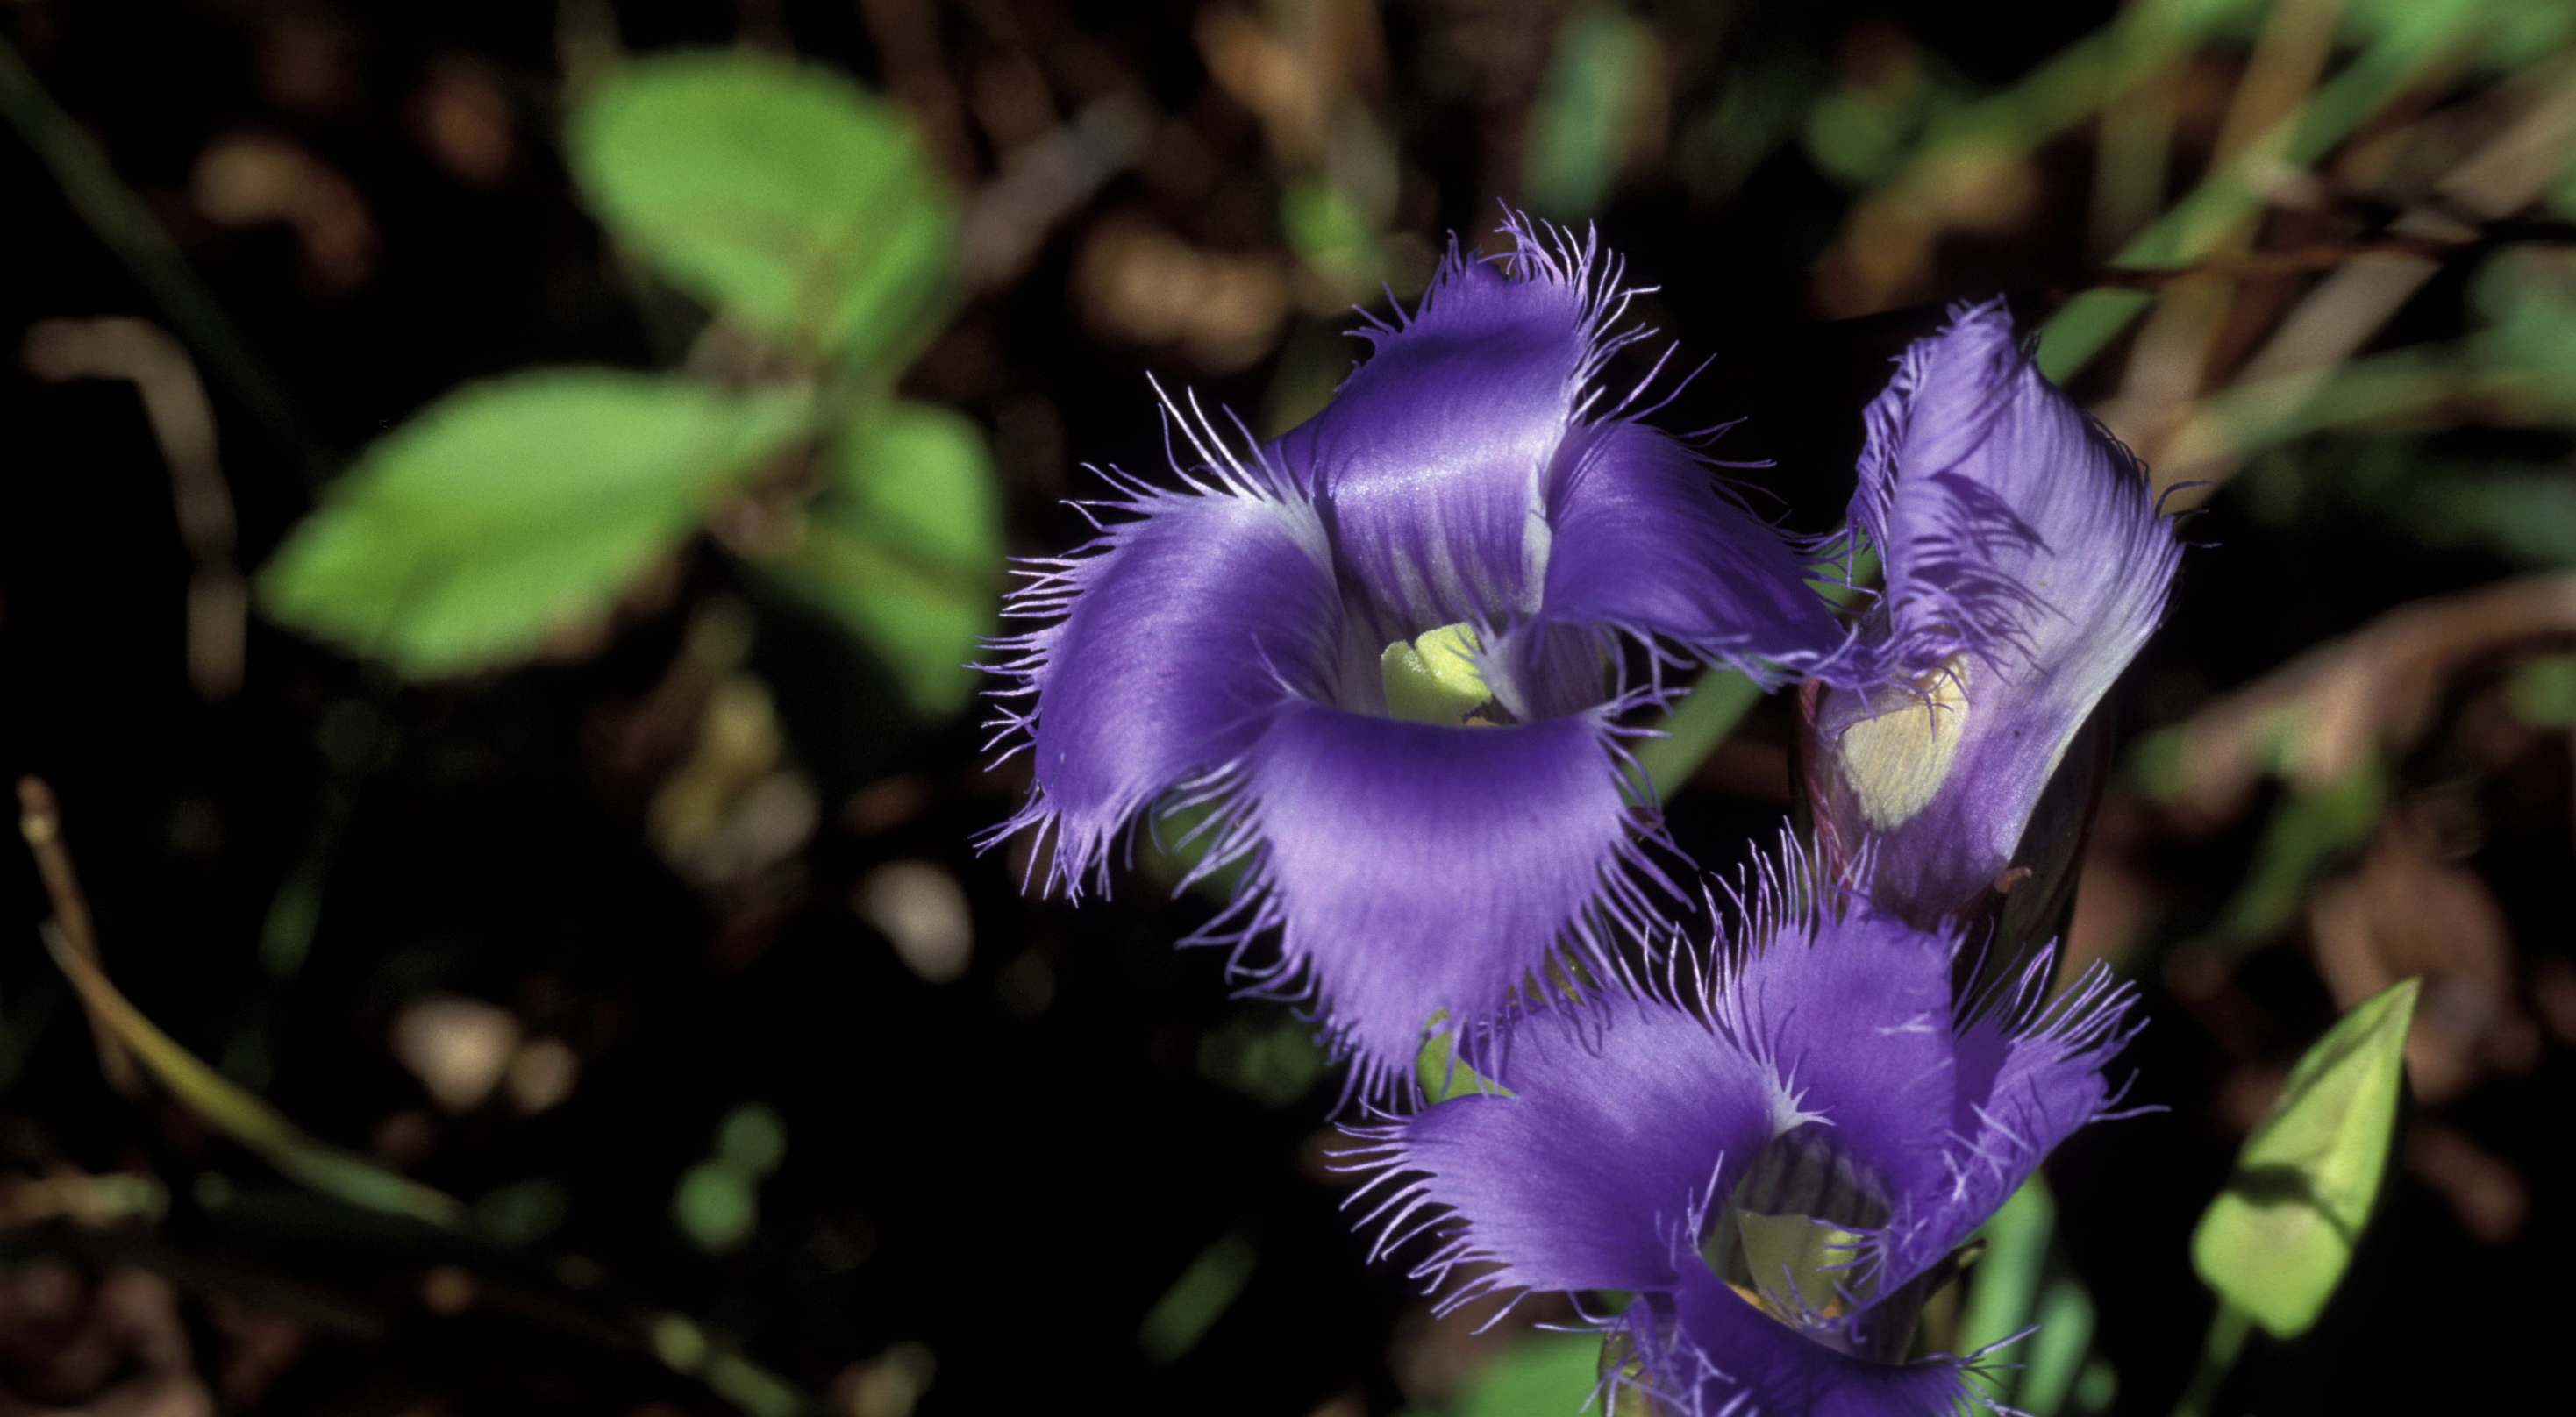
(1708, 1353)
(1647, 543)
(1183, 631)
(2030, 1073)
(1852, 1012)
(1431, 462)
(2025, 564)
(1417, 867)
(1580, 1177)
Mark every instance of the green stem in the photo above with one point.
(2227, 1331)
(128, 229)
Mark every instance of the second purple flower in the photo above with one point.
(1390, 652)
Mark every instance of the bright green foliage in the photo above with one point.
(1587, 111)
(2276, 1241)
(905, 548)
(785, 197)
(2003, 1286)
(1439, 1070)
(510, 510)
(1544, 1373)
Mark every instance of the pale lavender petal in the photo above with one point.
(2025, 565)
(1184, 631)
(1415, 867)
(1582, 1178)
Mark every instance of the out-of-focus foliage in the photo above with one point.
(803, 211)
(904, 544)
(512, 511)
(785, 197)
(2277, 1240)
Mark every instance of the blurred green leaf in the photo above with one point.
(1584, 120)
(522, 1212)
(1542, 1375)
(717, 1205)
(1330, 233)
(785, 197)
(2276, 1241)
(1272, 1059)
(2307, 831)
(2004, 1284)
(2056, 1353)
(2542, 692)
(904, 548)
(752, 1139)
(509, 510)
(1197, 1299)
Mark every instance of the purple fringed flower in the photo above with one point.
(1779, 1160)
(1388, 654)
(2025, 563)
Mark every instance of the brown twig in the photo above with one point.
(40, 820)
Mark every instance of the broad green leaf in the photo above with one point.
(2276, 1241)
(785, 197)
(509, 511)
(905, 548)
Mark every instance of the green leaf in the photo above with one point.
(2276, 1241)
(905, 548)
(1585, 119)
(508, 511)
(785, 197)
(2004, 1286)
(1542, 1375)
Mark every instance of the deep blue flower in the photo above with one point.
(1778, 1159)
(1390, 651)
(2025, 564)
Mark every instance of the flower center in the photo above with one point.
(1896, 760)
(1788, 1241)
(1432, 678)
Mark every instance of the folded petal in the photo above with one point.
(1416, 867)
(2025, 564)
(1707, 1352)
(1430, 464)
(1183, 632)
(1645, 542)
(1581, 1178)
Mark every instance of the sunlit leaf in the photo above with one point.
(905, 548)
(510, 511)
(2277, 1240)
(785, 197)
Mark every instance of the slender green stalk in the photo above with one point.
(2227, 1332)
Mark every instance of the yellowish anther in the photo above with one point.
(1432, 678)
(1800, 1266)
(1895, 762)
